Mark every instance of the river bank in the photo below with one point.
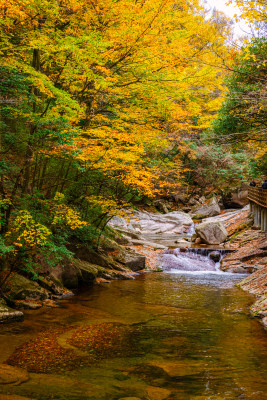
(138, 245)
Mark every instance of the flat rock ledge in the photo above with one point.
(7, 314)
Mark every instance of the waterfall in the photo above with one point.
(193, 260)
(191, 230)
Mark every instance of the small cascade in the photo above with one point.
(191, 230)
(193, 259)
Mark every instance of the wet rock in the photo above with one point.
(12, 375)
(7, 314)
(209, 209)
(211, 232)
(215, 256)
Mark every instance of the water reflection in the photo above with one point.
(193, 340)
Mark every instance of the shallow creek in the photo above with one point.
(175, 335)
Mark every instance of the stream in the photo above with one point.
(184, 334)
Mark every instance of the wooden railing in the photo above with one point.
(258, 196)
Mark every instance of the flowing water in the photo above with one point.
(176, 335)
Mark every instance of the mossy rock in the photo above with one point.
(198, 217)
(86, 271)
(21, 288)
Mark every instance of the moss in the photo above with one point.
(21, 288)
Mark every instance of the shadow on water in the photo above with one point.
(184, 335)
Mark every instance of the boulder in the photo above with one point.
(193, 202)
(52, 284)
(69, 276)
(131, 259)
(21, 288)
(210, 208)
(7, 314)
(146, 223)
(162, 206)
(180, 198)
(237, 198)
(86, 271)
(211, 232)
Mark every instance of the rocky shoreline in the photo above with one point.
(136, 246)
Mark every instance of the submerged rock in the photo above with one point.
(211, 232)
(12, 375)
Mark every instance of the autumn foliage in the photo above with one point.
(96, 96)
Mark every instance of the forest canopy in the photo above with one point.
(103, 103)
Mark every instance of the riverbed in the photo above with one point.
(171, 335)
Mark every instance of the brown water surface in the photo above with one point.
(165, 336)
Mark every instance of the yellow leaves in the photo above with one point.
(64, 215)
(27, 232)
(108, 205)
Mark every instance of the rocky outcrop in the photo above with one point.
(144, 223)
(211, 232)
(21, 288)
(237, 198)
(210, 208)
(251, 257)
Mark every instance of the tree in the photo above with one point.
(95, 97)
(242, 119)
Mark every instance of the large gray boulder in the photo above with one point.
(208, 209)
(211, 232)
(145, 223)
